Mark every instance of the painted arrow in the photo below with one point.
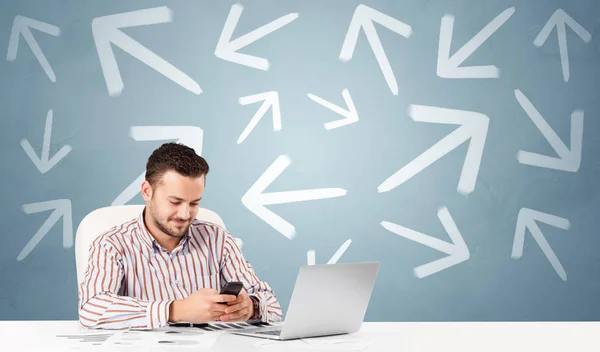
(448, 66)
(364, 17)
(474, 126)
(44, 163)
(568, 160)
(528, 219)
(457, 251)
(350, 115)
(106, 31)
(191, 136)
(269, 99)
(560, 19)
(255, 199)
(227, 49)
(22, 26)
(310, 255)
(62, 208)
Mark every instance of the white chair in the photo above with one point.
(100, 220)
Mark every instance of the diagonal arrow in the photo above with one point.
(43, 163)
(22, 25)
(62, 208)
(350, 115)
(457, 251)
(106, 31)
(560, 19)
(191, 136)
(528, 219)
(448, 66)
(474, 126)
(269, 99)
(255, 199)
(568, 160)
(364, 17)
(227, 49)
(310, 255)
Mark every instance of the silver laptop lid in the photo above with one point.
(329, 299)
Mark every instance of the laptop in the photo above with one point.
(328, 299)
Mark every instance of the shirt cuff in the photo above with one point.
(158, 313)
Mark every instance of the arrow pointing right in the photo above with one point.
(568, 160)
(474, 126)
(528, 219)
(189, 135)
(22, 25)
(560, 19)
(310, 255)
(106, 32)
(457, 251)
(350, 115)
(269, 99)
(62, 208)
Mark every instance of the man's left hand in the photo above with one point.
(241, 309)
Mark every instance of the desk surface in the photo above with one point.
(404, 336)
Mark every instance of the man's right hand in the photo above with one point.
(199, 307)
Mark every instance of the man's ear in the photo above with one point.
(146, 191)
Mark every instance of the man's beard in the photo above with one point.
(164, 228)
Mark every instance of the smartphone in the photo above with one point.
(232, 288)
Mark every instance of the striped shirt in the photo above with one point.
(131, 280)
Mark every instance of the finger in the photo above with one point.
(224, 298)
(237, 307)
(217, 308)
(239, 315)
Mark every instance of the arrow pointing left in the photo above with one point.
(62, 208)
(44, 163)
(189, 135)
(106, 31)
(22, 25)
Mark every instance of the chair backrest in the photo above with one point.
(100, 220)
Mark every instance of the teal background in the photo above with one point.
(304, 59)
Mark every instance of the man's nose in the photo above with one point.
(183, 212)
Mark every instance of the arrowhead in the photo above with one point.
(270, 100)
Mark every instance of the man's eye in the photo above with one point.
(194, 204)
(176, 203)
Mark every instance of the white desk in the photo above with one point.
(430, 337)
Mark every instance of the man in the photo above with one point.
(167, 266)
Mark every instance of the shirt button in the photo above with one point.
(176, 282)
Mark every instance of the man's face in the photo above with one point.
(173, 203)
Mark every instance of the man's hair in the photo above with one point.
(177, 157)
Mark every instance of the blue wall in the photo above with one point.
(490, 205)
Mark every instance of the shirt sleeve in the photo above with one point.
(100, 306)
(234, 267)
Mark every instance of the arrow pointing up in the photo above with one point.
(568, 160)
(255, 199)
(62, 208)
(560, 19)
(448, 66)
(474, 126)
(310, 255)
(350, 115)
(227, 49)
(364, 17)
(527, 219)
(106, 32)
(44, 163)
(457, 251)
(191, 136)
(269, 99)
(22, 25)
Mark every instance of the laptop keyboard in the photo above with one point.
(269, 332)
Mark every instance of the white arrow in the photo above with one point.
(528, 219)
(43, 163)
(364, 17)
(62, 208)
(350, 115)
(255, 200)
(269, 99)
(191, 136)
(448, 66)
(568, 160)
(474, 126)
(310, 255)
(559, 20)
(22, 25)
(227, 49)
(457, 251)
(106, 32)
